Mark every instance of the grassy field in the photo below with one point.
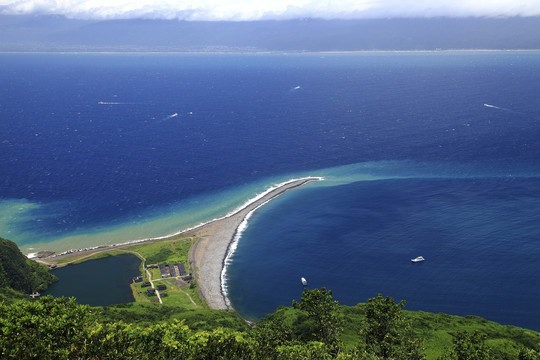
(197, 319)
(437, 331)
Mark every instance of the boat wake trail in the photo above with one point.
(168, 117)
(115, 103)
(501, 108)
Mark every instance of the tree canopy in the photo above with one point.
(385, 332)
(323, 312)
(59, 328)
(19, 273)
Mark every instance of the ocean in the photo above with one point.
(423, 153)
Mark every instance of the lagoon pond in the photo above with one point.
(98, 282)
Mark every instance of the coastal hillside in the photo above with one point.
(316, 327)
(19, 273)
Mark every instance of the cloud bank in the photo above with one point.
(251, 10)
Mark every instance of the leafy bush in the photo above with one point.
(60, 328)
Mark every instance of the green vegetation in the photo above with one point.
(168, 252)
(174, 250)
(323, 313)
(469, 345)
(9, 296)
(146, 314)
(62, 329)
(316, 327)
(385, 332)
(19, 273)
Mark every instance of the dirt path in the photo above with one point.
(190, 299)
(148, 272)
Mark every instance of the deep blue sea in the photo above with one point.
(433, 154)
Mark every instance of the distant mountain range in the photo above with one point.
(56, 33)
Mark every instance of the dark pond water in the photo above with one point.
(98, 282)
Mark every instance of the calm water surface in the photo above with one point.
(98, 282)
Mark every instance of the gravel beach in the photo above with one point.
(208, 255)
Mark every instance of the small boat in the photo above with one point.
(304, 281)
(418, 259)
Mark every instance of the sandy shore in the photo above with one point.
(208, 255)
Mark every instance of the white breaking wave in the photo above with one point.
(243, 226)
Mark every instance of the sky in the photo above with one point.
(252, 10)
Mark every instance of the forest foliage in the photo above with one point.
(19, 273)
(60, 328)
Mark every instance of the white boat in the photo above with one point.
(304, 281)
(418, 259)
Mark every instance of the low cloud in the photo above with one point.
(249, 10)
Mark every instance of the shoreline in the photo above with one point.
(216, 242)
(193, 228)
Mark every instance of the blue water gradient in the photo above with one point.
(432, 154)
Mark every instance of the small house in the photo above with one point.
(146, 284)
(164, 270)
(161, 287)
(181, 269)
(151, 292)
